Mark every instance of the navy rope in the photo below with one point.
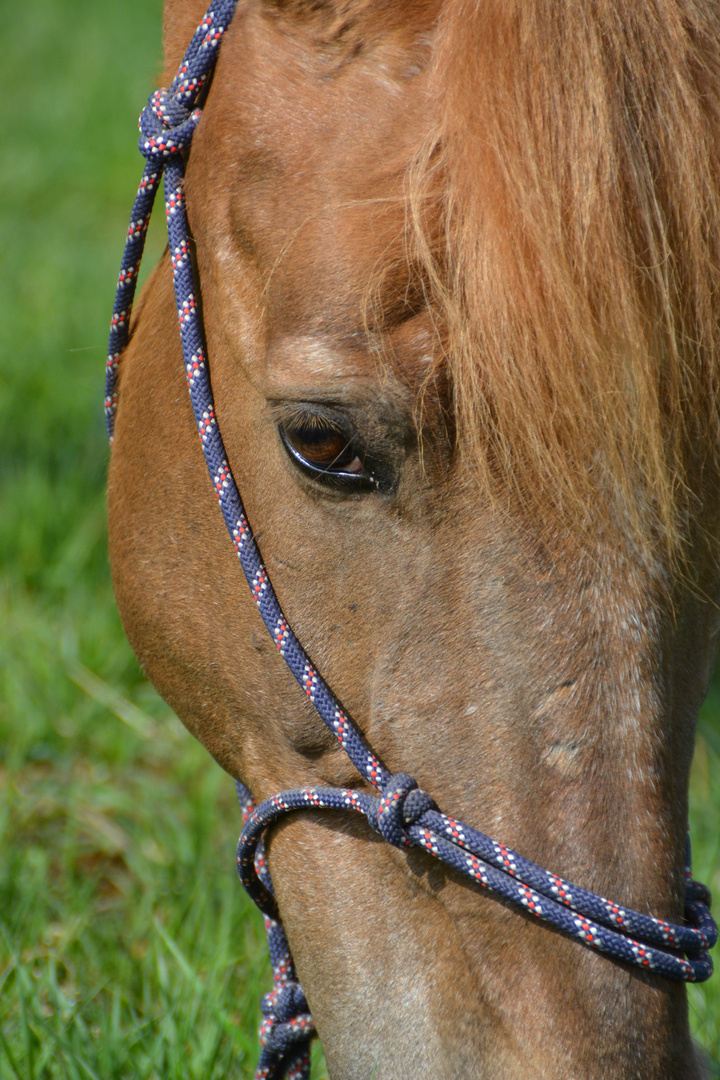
(402, 813)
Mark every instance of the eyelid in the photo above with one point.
(288, 413)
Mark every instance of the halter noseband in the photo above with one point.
(402, 813)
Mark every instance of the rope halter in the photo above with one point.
(401, 812)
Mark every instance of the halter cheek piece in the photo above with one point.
(403, 814)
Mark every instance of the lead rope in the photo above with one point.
(402, 813)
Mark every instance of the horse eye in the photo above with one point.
(321, 446)
(326, 449)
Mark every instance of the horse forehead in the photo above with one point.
(307, 153)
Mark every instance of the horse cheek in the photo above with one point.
(194, 631)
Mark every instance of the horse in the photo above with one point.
(459, 265)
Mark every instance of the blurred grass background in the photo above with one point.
(127, 947)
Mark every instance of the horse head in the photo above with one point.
(458, 267)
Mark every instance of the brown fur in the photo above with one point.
(503, 218)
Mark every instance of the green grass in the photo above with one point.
(705, 831)
(127, 947)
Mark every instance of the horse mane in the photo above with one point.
(574, 172)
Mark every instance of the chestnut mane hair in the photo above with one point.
(574, 172)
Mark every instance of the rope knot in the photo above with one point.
(402, 803)
(287, 1020)
(167, 127)
(285, 1002)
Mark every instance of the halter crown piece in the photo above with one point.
(403, 814)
